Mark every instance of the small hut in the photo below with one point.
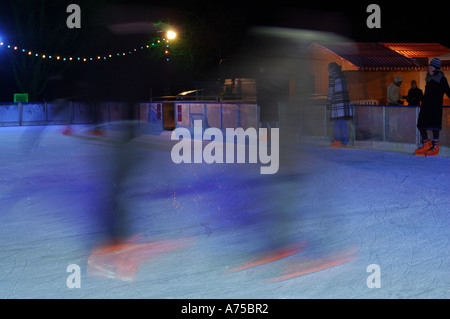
(371, 67)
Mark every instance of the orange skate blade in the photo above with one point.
(315, 266)
(122, 261)
(277, 255)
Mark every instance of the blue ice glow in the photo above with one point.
(378, 201)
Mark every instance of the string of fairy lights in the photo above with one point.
(45, 55)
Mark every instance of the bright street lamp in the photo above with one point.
(171, 34)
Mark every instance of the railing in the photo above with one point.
(161, 114)
(385, 127)
(17, 114)
(65, 112)
(389, 127)
(212, 114)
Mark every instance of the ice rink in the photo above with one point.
(389, 209)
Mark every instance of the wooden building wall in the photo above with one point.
(362, 85)
(365, 85)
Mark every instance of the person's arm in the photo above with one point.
(445, 86)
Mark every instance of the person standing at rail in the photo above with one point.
(338, 102)
(430, 116)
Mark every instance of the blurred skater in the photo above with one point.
(280, 236)
(109, 258)
(269, 92)
(32, 135)
(121, 251)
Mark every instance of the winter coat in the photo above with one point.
(338, 100)
(394, 95)
(415, 96)
(430, 116)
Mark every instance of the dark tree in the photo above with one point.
(39, 27)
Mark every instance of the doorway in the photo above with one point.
(169, 116)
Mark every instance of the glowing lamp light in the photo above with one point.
(171, 34)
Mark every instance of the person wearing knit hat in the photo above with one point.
(436, 63)
(393, 94)
(430, 116)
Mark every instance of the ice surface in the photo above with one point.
(393, 207)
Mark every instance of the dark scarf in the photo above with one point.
(437, 77)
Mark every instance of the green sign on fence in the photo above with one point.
(20, 97)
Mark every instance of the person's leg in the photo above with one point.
(423, 134)
(335, 130)
(344, 132)
(336, 134)
(434, 149)
(436, 135)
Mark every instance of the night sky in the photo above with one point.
(224, 28)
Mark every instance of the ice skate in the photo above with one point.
(122, 260)
(304, 266)
(96, 132)
(433, 150)
(424, 149)
(67, 131)
(271, 256)
(335, 144)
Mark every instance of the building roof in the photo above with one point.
(372, 56)
(418, 50)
